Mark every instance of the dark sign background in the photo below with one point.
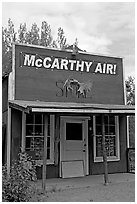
(43, 84)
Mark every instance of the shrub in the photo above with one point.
(16, 185)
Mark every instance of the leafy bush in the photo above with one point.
(16, 185)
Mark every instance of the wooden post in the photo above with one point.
(45, 152)
(104, 152)
(9, 141)
(57, 138)
(23, 131)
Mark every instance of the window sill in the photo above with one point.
(100, 159)
(40, 162)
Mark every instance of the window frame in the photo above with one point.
(109, 158)
(52, 130)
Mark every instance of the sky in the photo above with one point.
(106, 28)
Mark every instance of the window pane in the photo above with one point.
(48, 130)
(106, 130)
(112, 130)
(39, 130)
(48, 153)
(98, 146)
(29, 119)
(38, 143)
(48, 142)
(98, 120)
(38, 119)
(39, 154)
(48, 119)
(112, 146)
(48, 125)
(107, 145)
(98, 130)
(32, 144)
(28, 139)
(106, 120)
(111, 120)
(29, 130)
(73, 131)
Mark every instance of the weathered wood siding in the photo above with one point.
(52, 172)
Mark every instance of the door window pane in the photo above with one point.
(73, 131)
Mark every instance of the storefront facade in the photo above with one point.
(63, 94)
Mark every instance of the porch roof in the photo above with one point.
(66, 107)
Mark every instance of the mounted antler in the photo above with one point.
(70, 82)
(82, 88)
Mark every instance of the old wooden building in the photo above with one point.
(62, 95)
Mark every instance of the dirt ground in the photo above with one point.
(121, 188)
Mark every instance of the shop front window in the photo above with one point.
(111, 138)
(34, 142)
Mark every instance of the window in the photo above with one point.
(34, 141)
(74, 131)
(111, 138)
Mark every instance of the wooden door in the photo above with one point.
(73, 146)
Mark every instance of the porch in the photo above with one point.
(82, 149)
(88, 189)
(59, 184)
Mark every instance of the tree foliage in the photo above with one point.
(61, 40)
(8, 37)
(36, 36)
(46, 37)
(130, 95)
(22, 33)
(130, 90)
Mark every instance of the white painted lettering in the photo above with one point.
(72, 62)
(98, 68)
(45, 62)
(29, 60)
(88, 64)
(104, 68)
(38, 63)
(64, 64)
(55, 64)
(80, 66)
(115, 66)
(109, 69)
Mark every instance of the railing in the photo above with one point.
(131, 160)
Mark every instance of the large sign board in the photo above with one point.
(61, 76)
